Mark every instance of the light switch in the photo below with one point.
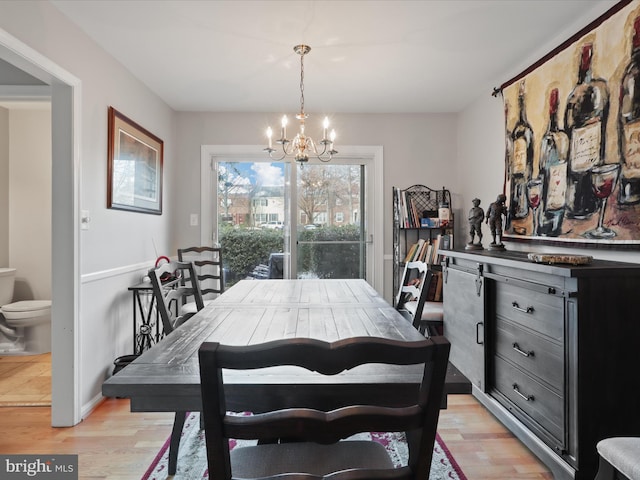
(194, 220)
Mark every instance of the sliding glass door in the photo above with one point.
(325, 237)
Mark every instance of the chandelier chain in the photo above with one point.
(302, 84)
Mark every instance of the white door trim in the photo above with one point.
(65, 312)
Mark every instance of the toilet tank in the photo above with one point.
(7, 281)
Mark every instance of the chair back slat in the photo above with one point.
(323, 427)
(209, 269)
(323, 357)
(306, 424)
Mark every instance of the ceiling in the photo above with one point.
(367, 56)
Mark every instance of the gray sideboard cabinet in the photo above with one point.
(553, 351)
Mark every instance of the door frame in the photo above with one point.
(65, 91)
(372, 155)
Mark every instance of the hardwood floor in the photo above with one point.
(115, 444)
(25, 380)
(482, 446)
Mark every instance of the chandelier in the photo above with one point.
(302, 147)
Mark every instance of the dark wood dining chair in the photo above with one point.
(314, 436)
(208, 266)
(172, 283)
(412, 293)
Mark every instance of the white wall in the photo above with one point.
(30, 202)
(117, 249)
(4, 187)
(418, 149)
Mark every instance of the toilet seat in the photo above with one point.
(26, 309)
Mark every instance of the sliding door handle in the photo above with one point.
(479, 340)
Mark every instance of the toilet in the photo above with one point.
(26, 325)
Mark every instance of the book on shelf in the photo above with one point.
(434, 255)
(409, 212)
(422, 251)
(428, 253)
(438, 294)
(428, 222)
(413, 213)
(410, 253)
(418, 253)
(447, 241)
(435, 287)
(441, 242)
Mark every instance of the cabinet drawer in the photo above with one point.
(539, 404)
(540, 312)
(534, 354)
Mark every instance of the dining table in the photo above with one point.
(166, 377)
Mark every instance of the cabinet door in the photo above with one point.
(463, 294)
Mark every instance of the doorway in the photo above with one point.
(64, 91)
(25, 379)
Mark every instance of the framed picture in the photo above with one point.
(135, 158)
(572, 138)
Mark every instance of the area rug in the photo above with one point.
(192, 459)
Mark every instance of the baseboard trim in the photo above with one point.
(89, 407)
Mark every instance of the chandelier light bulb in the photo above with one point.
(269, 135)
(302, 147)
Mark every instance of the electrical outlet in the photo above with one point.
(194, 220)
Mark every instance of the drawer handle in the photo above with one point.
(528, 398)
(517, 348)
(520, 309)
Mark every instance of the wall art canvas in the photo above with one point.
(134, 166)
(572, 131)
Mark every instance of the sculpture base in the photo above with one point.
(496, 246)
(474, 246)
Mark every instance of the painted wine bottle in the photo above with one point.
(629, 126)
(585, 120)
(553, 170)
(508, 156)
(522, 160)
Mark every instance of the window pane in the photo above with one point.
(251, 217)
(330, 237)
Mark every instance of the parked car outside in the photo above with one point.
(273, 224)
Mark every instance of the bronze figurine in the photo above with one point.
(495, 212)
(476, 216)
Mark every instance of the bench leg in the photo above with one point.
(174, 444)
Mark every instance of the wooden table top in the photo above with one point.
(166, 377)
